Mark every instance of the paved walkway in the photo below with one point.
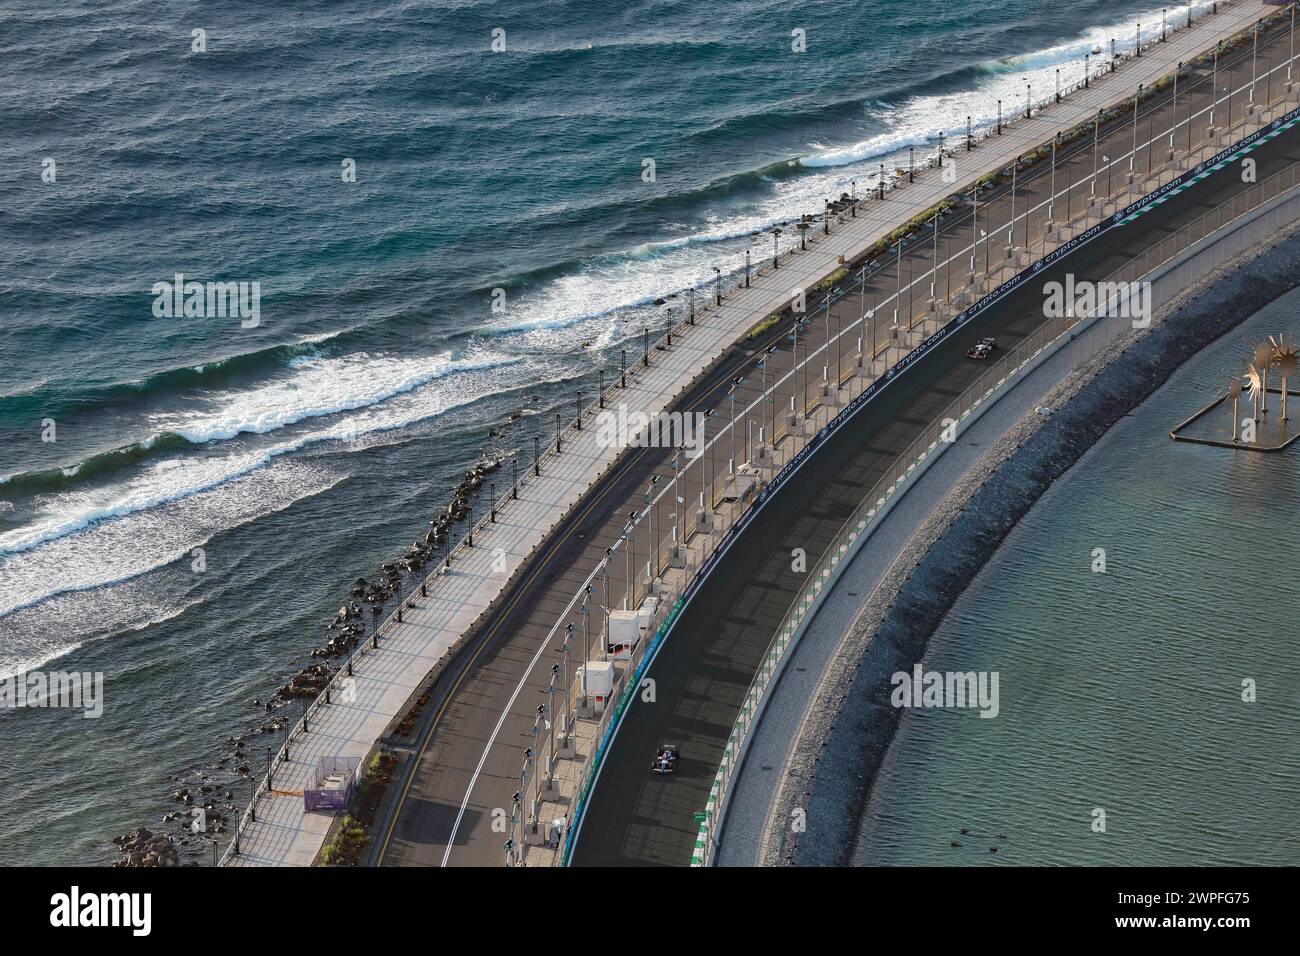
(384, 679)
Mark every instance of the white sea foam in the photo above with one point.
(174, 478)
(115, 551)
(917, 121)
(319, 387)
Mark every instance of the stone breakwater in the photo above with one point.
(840, 747)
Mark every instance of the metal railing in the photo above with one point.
(848, 540)
(670, 597)
(731, 512)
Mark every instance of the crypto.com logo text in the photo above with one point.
(208, 300)
(69, 690)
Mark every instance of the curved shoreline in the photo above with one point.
(834, 761)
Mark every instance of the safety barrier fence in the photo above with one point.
(1045, 339)
(1092, 224)
(727, 513)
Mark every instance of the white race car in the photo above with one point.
(666, 759)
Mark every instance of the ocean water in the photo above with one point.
(1122, 691)
(301, 453)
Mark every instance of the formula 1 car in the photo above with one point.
(666, 759)
(983, 348)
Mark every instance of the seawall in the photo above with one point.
(850, 724)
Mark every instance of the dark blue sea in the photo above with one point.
(303, 451)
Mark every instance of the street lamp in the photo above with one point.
(731, 394)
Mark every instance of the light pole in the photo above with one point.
(1291, 51)
(1051, 199)
(934, 273)
(1132, 158)
(827, 303)
(731, 394)
(604, 640)
(1254, 55)
(651, 506)
(630, 546)
(862, 295)
(999, 117)
(1096, 135)
(1173, 127)
(1214, 86)
(898, 283)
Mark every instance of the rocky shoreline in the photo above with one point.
(841, 745)
(213, 797)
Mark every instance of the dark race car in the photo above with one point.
(983, 348)
(666, 759)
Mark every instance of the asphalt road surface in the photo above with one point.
(706, 666)
(704, 669)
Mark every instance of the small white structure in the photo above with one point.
(597, 681)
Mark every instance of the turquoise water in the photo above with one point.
(1122, 691)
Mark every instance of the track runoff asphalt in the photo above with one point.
(427, 825)
(636, 817)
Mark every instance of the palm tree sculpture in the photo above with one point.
(1284, 357)
(1263, 359)
(1234, 393)
(1254, 385)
